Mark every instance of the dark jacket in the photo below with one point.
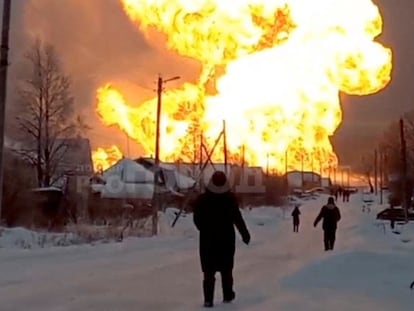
(215, 215)
(295, 215)
(330, 215)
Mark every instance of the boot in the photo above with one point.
(227, 285)
(208, 289)
(230, 297)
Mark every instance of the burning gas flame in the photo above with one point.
(273, 69)
(103, 158)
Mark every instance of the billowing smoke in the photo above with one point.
(97, 43)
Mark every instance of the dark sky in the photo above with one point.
(98, 44)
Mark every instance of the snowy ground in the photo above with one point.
(371, 269)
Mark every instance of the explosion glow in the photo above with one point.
(277, 67)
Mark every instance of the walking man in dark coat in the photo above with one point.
(331, 216)
(295, 215)
(216, 212)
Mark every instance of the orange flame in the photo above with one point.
(104, 158)
(276, 66)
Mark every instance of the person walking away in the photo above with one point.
(331, 216)
(344, 195)
(295, 215)
(348, 194)
(215, 213)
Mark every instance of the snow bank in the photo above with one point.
(23, 238)
(184, 227)
(13, 238)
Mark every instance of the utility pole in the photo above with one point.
(381, 170)
(267, 164)
(320, 173)
(200, 167)
(302, 172)
(225, 146)
(127, 145)
(243, 162)
(348, 177)
(329, 172)
(385, 169)
(160, 86)
(286, 171)
(403, 170)
(286, 161)
(376, 171)
(194, 151)
(201, 151)
(313, 177)
(243, 155)
(155, 195)
(4, 63)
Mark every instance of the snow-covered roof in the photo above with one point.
(173, 178)
(129, 171)
(129, 179)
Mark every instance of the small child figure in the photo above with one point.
(295, 215)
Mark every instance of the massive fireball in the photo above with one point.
(272, 69)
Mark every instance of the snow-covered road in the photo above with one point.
(279, 270)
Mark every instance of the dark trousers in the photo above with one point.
(329, 237)
(295, 226)
(226, 284)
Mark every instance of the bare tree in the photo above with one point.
(367, 169)
(409, 137)
(47, 112)
(81, 126)
(391, 145)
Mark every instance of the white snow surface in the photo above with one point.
(371, 268)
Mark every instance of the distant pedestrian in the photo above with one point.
(340, 192)
(295, 215)
(348, 194)
(216, 212)
(331, 216)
